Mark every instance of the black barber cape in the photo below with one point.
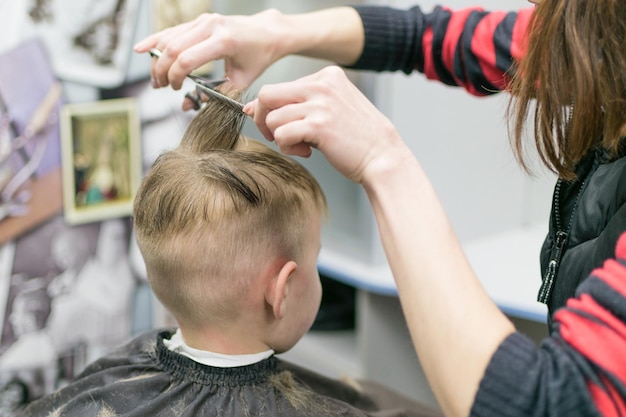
(144, 378)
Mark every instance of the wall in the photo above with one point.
(461, 141)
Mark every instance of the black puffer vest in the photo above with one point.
(588, 215)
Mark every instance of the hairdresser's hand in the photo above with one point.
(248, 45)
(326, 111)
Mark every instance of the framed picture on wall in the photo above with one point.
(101, 161)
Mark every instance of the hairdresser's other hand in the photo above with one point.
(248, 45)
(326, 111)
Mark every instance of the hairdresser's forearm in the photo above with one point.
(454, 325)
(334, 34)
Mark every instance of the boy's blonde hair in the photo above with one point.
(211, 214)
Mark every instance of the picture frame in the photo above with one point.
(100, 159)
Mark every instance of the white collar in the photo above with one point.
(218, 360)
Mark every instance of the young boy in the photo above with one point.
(230, 233)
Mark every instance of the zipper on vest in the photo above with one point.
(561, 238)
(553, 266)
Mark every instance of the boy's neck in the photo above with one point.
(223, 342)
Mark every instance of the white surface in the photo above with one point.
(330, 353)
(507, 264)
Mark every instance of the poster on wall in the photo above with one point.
(65, 300)
(90, 41)
(30, 153)
(168, 13)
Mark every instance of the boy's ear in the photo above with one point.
(278, 290)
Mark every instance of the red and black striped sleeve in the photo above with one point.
(594, 324)
(470, 48)
(580, 370)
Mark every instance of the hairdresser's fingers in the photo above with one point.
(288, 114)
(298, 148)
(279, 105)
(259, 114)
(158, 70)
(275, 96)
(248, 45)
(302, 150)
(147, 45)
(326, 111)
(174, 44)
(171, 42)
(270, 98)
(158, 39)
(290, 145)
(313, 99)
(148, 42)
(189, 104)
(280, 121)
(285, 138)
(250, 107)
(211, 49)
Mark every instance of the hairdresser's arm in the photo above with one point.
(455, 326)
(471, 356)
(469, 47)
(249, 44)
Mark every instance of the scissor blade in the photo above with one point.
(207, 87)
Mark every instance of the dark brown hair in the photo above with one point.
(574, 75)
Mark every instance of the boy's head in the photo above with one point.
(230, 230)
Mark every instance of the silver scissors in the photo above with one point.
(205, 87)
